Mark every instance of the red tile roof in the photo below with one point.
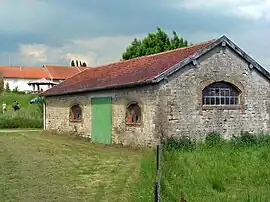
(136, 70)
(23, 72)
(50, 72)
(63, 72)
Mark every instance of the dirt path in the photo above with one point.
(19, 130)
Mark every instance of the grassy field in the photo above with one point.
(223, 172)
(29, 116)
(37, 167)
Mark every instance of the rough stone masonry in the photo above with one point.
(174, 107)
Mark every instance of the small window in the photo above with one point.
(76, 113)
(133, 115)
(220, 93)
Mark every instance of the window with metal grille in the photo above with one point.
(220, 93)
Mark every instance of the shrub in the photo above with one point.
(15, 90)
(7, 89)
(263, 139)
(1, 83)
(244, 139)
(20, 122)
(182, 143)
(21, 119)
(213, 139)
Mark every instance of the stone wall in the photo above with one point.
(174, 107)
(57, 112)
(184, 113)
(146, 134)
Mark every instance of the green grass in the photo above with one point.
(29, 116)
(35, 166)
(38, 167)
(228, 171)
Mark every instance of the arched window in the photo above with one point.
(133, 113)
(220, 93)
(76, 113)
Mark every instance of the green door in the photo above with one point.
(101, 120)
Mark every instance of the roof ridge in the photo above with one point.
(155, 54)
(78, 68)
(63, 66)
(17, 66)
(52, 65)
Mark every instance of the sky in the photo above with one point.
(37, 32)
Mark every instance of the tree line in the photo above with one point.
(77, 63)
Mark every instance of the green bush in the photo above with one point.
(7, 89)
(213, 139)
(21, 119)
(182, 143)
(245, 139)
(20, 122)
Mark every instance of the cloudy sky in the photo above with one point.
(36, 32)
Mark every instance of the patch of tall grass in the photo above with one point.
(217, 169)
(29, 115)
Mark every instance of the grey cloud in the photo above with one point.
(57, 22)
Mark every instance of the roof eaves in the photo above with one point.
(246, 57)
(127, 85)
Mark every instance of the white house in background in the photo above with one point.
(41, 85)
(29, 78)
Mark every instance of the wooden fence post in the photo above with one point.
(182, 199)
(156, 188)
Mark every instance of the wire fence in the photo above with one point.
(158, 173)
(159, 160)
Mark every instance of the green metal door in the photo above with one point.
(101, 120)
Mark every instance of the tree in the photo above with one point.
(78, 63)
(1, 83)
(16, 89)
(7, 87)
(153, 43)
(72, 63)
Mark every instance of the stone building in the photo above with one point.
(207, 87)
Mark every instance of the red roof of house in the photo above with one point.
(47, 72)
(23, 72)
(136, 70)
(63, 72)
